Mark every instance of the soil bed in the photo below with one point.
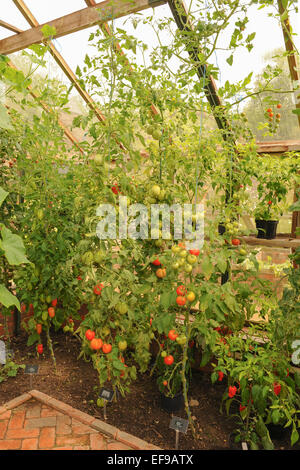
(139, 412)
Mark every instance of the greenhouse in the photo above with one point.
(150, 227)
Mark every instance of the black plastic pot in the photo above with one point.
(266, 229)
(171, 405)
(221, 228)
(277, 431)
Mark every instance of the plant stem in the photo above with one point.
(183, 372)
(50, 346)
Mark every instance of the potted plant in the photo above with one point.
(267, 218)
(274, 179)
(170, 387)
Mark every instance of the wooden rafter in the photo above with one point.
(10, 27)
(181, 17)
(60, 60)
(82, 19)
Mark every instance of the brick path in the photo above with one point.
(35, 421)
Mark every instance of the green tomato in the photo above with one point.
(98, 159)
(183, 253)
(99, 256)
(105, 331)
(163, 354)
(122, 308)
(175, 266)
(188, 268)
(87, 258)
(162, 195)
(158, 243)
(155, 190)
(191, 259)
(175, 249)
(181, 340)
(40, 214)
(122, 345)
(181, 261)
(156, 134)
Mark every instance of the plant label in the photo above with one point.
(244, 446)
(2, 353)
(106, 394)
(179, 424)
(31, 369)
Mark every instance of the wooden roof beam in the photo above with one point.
(22, 7)
(181, 17)
(10, 27)
(82, 19)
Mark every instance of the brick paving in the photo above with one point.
(35, 421)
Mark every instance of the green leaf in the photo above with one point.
(48, 31)
(7, 298)
(207, 267)
(296, 111)
(5, 122)
(3, 195)
(13, 247)
(38, 49)
(229, 60)
(167, 299)
(33, 339)
(294, 436)
(267, 443)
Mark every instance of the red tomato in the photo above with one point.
(106, 348)
(23, 308)
(276, 388)
(54, 303)
(236, 241)
(51, 312)
(232, 391)
(172, 335)
(165, 383)
(96, 344)
(181, 300)
(181, 290)
(278, 106)
(123, 371)
(38, 328)
(195, 252)
(156, 262)
(98, 289)
(40, 348)
(161, 273)
(168, 360)
(115, 189)
(89, 334)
